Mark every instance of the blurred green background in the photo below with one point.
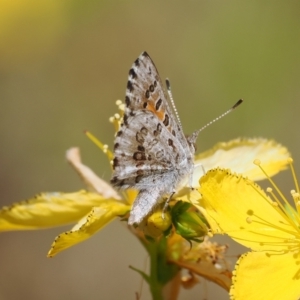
(63, 64)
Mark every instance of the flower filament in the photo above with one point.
(290, 225)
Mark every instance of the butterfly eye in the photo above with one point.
(195, 147)
(192, 145)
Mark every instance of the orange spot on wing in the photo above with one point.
(159, 114)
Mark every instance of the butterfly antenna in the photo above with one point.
(221, 116)
(172, 100)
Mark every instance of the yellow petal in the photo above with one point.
(48, 210)
(230, 202)
(130, 195)
(95, 220)
(89, 177)
(261, 277)
(239, 154)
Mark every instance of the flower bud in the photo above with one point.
(189, 223)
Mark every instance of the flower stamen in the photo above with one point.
(258, 163)
(284, 209)
(103, 147)
(290, 161)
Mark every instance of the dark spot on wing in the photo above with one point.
(144, 130)
(119, 133)
(137, 62)
(160, 154)
(139, 164)
(132, 73)
(152, 143)
(158, 104)
(114, 180)
(140, 172)
(159, 127)
(115, 162)
(116, 145)
(139, 155)
(170, 142)
(145, 104)
(139, 138)
(158, 130)
(127, 101)
(141, 148)
(147, 94)
(138, 178)
(151, 88)
(166, 120)
(129, 86)
(125, 118)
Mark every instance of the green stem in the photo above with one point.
(154, 284)
(161, 272)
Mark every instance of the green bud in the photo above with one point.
(188, 222)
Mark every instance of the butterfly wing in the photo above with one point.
(151, 152)
(143, 204)
(146, 153)
(145, 91)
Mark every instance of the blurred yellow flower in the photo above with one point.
(236, 206)
(30, 31)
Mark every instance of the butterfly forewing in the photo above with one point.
(145, 91)
(151, 152)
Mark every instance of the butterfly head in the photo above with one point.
(191, 140)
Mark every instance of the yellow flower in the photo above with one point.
(164, 235)
(238, 155)
(236, 206)
(96, 208)
(92, 210)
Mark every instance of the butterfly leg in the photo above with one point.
(197, 166)
(166, 206)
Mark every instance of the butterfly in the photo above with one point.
(151, 153)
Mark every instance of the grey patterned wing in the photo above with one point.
(146, 153)
(145, 91)
(144, 203)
